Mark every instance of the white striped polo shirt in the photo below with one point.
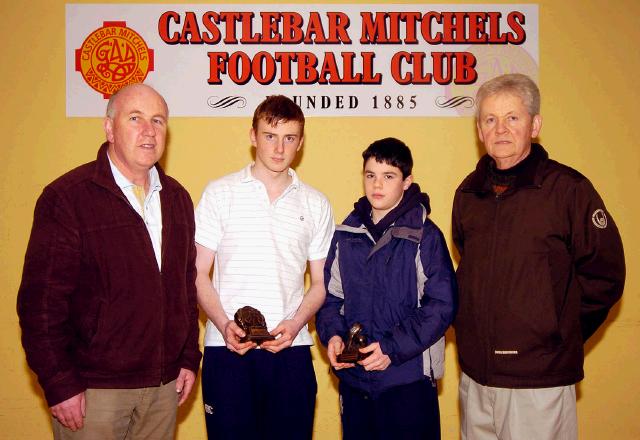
(262, 248)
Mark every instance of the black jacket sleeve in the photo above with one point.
(598, 257)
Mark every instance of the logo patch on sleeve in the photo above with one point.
(599, 218)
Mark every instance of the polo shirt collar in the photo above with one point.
(248, 177)
(123, 182)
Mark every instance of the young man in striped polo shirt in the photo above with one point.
(258, 228)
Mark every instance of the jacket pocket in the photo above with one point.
(89, 322)
(91, 335)
(526, 318)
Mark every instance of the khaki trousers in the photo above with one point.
(131, 414)
(489, 413)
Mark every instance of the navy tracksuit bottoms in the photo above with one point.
(260, 395)
(403, 412)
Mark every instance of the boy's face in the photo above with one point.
(383, 186)
(276, 145)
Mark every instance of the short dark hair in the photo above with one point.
(276, 108)
(391, 151)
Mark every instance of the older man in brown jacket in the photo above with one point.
(541, 265)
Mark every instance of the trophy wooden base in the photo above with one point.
(351, 357)
(257, 335)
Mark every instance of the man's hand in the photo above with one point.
(377, 360)
(184, 384)
(285, 333)
(334, 348)
(70, 413)
(232, 334)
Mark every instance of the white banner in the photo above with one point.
(333, 60)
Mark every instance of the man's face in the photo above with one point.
(137, 130)
(506, 128)
(276, 145)
(383, 186)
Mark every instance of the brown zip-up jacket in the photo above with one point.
(94, 308)
(540, 267)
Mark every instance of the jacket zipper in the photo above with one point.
(489, 323)
(162, 323)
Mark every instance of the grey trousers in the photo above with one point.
(489, 413)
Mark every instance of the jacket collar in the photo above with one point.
(408, 227)
(104, 177)
(411, 198)
(529, 177)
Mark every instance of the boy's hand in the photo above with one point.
(377, 360)
(334, 348)
(232, 335)
(285, 333)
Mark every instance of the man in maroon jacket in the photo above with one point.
(107, 303)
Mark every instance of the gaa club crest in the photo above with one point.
(112, 57)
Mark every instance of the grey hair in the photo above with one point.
(514, 83)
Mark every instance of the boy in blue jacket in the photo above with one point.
(389, 270)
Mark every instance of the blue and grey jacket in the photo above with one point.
(401, 288)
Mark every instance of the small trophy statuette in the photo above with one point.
(254, 325)
(355, 340)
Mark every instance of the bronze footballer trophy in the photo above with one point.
(254, 325)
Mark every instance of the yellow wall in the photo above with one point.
(589, 63)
